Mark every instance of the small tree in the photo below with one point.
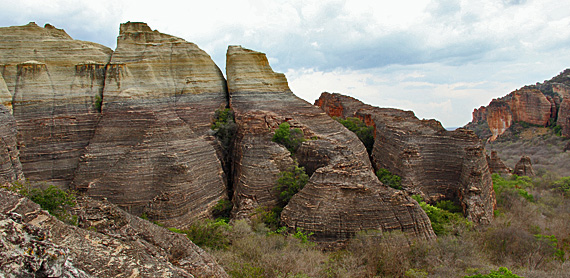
(289, 137)
(290, 182)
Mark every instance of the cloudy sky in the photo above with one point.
(440, 59)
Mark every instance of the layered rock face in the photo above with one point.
(542, 104)
(434, 163)
(108, 243)
(10, 166)
(343, 196)
(54, 83)
(151, 152)
(496, 165)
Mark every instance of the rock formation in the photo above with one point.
(543, 104)
(54, 83)
(496, 165)
(524, 167)
(10, 166)
(151, 152)
(343, 196)
(432, 162)
(108, 242)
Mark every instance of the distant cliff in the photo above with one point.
(543, 104)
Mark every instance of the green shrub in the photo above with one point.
(208, 233)
(441, 219)
(288, 137)
(515, 184)
(224, 127)
(56, 201)
(448, 205)
(290, 182)
(503, 272)
(563, 184)
(303, 237)
(387, 178)
(223, 209)
(557, 130)
(365, 133)
(98, 103)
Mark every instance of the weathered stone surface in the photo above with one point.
(10, 166)
(5, 95)
(524, 167)
(151, 152)
(54, 82)
(530, 106)
(434, 163)
(479, 114)
(499, 118)
(343, 196)
(496, 165)
(108, 243)
(563, 119)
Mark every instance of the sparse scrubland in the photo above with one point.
(528, 238)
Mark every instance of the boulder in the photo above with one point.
(434, 163)
(152, 152)
(55, 83)
(496, 165)
(524, 167)
(342, 196)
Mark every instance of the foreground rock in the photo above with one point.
(432, 162)
(53, 83)
(10, 166)
(151, 152)
(110, 243)
(543, 104)
(342, 197)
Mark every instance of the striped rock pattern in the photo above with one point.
(433, 163)
(343, 196)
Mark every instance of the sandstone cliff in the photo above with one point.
(543, 104)
(54, 83)
(151, 152)
(434, 163)
(343, 196)
(10, 166)
(110, 243)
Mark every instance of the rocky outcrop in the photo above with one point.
(543, 104)
(151, 152)
(343, 196)
(10, 166)
(496, 165)
(524, 167)
(108, 243)
(432, 162)
(54, 83)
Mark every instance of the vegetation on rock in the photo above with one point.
(365, 133)
(224, 127)
(51, 198)
(289, 137)
(290, 182)
(389, 179)
(444, 216)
